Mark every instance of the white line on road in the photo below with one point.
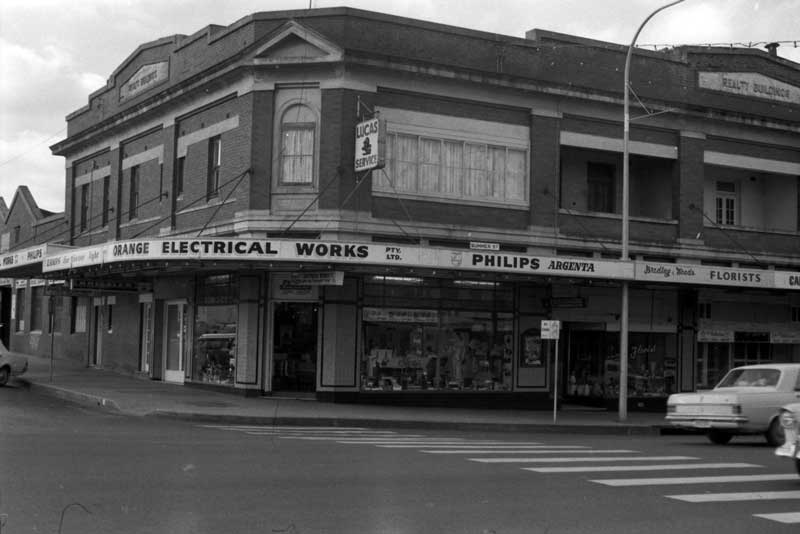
(400, 443)
(572, 460)
(297, 428)
(525, 451)
(357, 440)
(744, 496)
(654, 467)
(335, 433)
(508, 445)
(789, 517)
(621, 482)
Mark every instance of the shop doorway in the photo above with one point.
(294, 349)
(174, 341)
(5, 316)
(97, 336)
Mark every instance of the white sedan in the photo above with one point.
(11, 365)
(747, 400)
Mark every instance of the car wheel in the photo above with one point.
(774, 434)
(718, 437)
(3, 376)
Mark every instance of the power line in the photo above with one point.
(31, 147)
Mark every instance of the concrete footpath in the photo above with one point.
(136, 396)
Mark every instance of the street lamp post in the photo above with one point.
(623, 326)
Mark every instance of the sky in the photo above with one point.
(54, 53)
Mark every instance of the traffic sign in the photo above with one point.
(551, 329)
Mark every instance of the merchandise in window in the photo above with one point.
(214, 354)
(452, 351)
(429, 334)
(593, 366)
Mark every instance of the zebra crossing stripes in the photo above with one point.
(486, 450)
(650, 467)
(300, 428)
(499, 446)
(737, 497)
(666, 481)
(576, 460)
(786, 517)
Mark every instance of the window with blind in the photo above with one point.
(453, 169)
(84, 219)
(446, 158)
(214, 164)
(298, 127)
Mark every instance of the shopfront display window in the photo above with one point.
(431, 346)
(214, 354)
(593, 369)
(715, 359)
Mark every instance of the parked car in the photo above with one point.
(747, 400)
(11, 365)
(790, 421)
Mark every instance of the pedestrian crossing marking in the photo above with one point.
(312, 432)
(788, 517)
(523, 451)
(627, 482)
(534, 452)
(732, 497)
(653, 467)
(341, 434)
(499, 446)
(299, 428)
(331, 438)
(410, 444)
(573, 460)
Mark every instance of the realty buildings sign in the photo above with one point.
(750, 84)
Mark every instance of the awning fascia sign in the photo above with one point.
(379, 254)
(28, 257)
(353, 253)
(706, 275)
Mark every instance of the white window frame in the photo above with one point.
(286, 97)
(726, 202)
(487, 136)
(413, 186)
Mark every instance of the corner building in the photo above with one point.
(220, 235)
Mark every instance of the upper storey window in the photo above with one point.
(453, 159)
(600, 185)
(214, 164)
(298, 127)
(725, 203)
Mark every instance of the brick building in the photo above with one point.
(221, 236)
(25, 226)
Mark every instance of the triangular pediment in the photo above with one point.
(295, 43)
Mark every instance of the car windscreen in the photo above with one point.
(750, 378)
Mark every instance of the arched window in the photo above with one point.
(298, 128)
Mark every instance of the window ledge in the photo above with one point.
(752, 229)
(213, 203)
(137, 221)
(603, 215)
(506, 204)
